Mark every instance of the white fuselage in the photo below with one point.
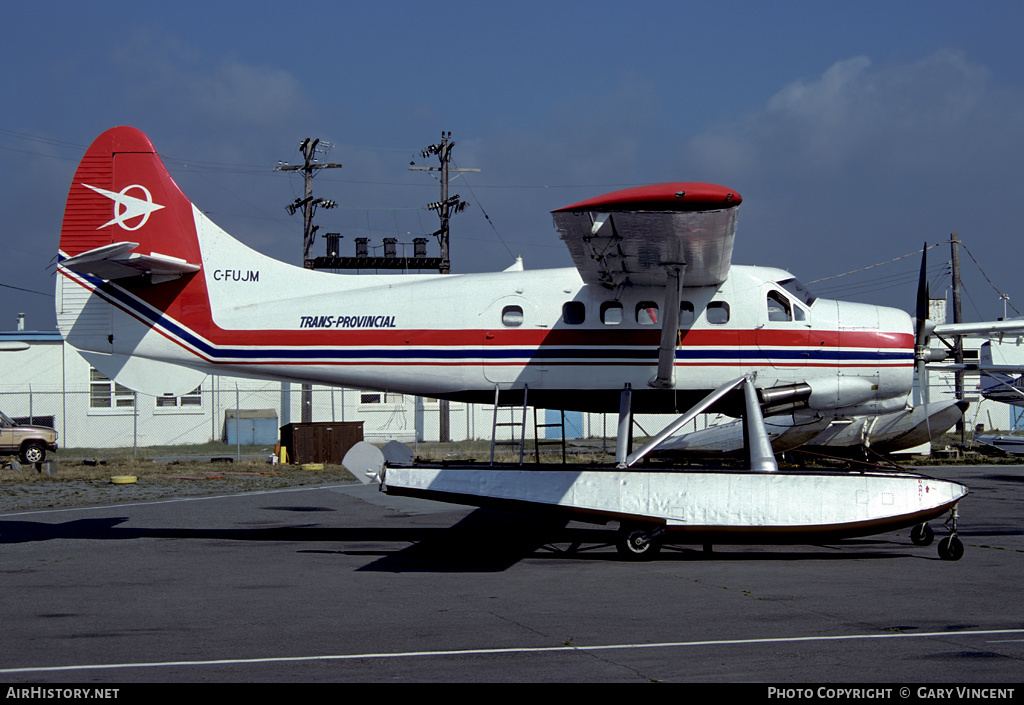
(571, 345)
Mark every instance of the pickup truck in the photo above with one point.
(29, 443)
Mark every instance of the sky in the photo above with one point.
(856, 132)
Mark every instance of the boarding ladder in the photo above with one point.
(537, 442)
(512, 423)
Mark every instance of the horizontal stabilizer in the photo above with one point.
(116, 261)
(146, 376)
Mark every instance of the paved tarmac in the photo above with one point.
(341, 583)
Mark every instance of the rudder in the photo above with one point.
(123, 192)
(126, 222)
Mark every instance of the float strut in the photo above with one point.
(625, 420)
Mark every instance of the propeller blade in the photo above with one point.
(922, 299)
(922, 381)
(921, 335)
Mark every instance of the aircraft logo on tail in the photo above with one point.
(128, 207)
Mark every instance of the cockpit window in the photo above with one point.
(779, 308)
(798, 290)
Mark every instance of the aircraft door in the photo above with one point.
(508, 347)
(783, 332)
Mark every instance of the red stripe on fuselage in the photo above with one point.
(189, 306)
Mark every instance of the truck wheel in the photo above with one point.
(33, 453)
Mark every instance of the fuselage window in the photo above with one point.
(778, 307)
(685, 314)
(512, 316)
(611, 313)
(718, 313)
(647, 313)
(574, 312)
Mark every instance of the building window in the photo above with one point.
(107, 394)
(380, 398)
(191, 400)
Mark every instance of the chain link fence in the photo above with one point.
(234, 417)
(242, 417)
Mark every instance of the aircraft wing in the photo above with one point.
(637, 235)
(1008, 327)
(116, 261)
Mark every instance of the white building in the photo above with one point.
(46, 380)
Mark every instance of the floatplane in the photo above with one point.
(653, 318)
(1000, 380)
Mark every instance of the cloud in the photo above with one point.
(168, 81)
(853, 112)
(242, 94)
(864, 162)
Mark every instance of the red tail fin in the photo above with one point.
(122, 193)
(126, 220)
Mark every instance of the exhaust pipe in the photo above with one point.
(788, 398)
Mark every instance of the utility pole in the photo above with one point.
(446, 207)
(958, 349)
(308, 205)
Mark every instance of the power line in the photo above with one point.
(488, 219)
(1002, 295)
(30, 291)
(863, 269)
(262, 170)
(884, 282)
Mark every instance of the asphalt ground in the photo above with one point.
(339, 583)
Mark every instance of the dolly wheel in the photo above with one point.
(922, 535)
(637, 543)
(951, 549)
